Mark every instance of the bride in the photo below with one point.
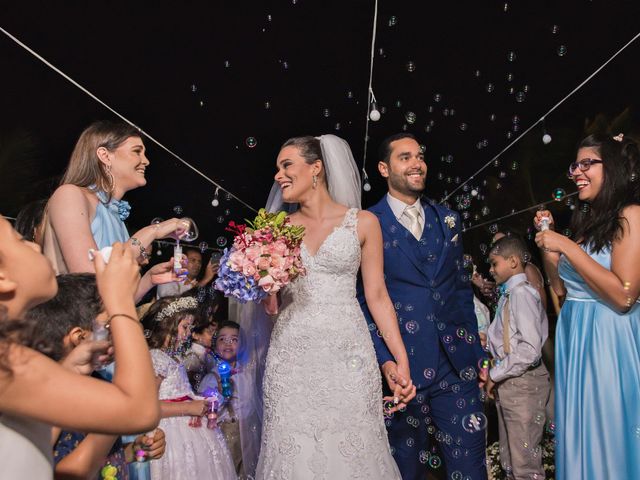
(323, 411)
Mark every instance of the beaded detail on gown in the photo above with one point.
(323, 415)
(597, 382)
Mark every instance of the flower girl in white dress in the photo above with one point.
(195, 445)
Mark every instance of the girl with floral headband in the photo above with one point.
(193, 446)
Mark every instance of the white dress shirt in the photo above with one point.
(398, 207)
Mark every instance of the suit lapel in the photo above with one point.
(396, 232)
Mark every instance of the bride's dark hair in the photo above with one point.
(309, 148)
(600, 223)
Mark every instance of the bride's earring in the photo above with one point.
(314, 179)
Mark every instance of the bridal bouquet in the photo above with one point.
(265, 257)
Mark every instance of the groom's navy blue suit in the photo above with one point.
(434, 304)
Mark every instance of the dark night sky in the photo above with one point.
(143, 61)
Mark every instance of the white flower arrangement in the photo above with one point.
(450, 220)
(496, 472)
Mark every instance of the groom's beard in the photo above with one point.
(402, 184)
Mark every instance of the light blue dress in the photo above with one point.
(597, 383)
(107, 228)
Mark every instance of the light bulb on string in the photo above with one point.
(215, 202)
(546, 138)
(366, 186)
(374, 113)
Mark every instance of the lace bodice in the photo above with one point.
(175, 383)
(333, 268)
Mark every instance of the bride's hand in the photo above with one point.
(270, 304)
(399, 381)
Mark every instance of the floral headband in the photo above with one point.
(177, 306)
(619, 137)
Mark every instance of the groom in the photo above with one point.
(434, 304)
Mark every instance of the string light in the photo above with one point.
(215, 202)
(125, 119)
(366, 186)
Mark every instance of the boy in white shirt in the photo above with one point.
(518, 378)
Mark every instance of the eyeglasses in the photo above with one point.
(583, 165)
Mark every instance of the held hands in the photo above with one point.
(399, 380)
(117, 280)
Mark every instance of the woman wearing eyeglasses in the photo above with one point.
(597, 361)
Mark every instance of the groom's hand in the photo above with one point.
(402, 388)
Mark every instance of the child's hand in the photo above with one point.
(489, 386)
(153, 446)
(118, 280)
(81, 358)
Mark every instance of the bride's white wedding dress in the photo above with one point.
(323, 415)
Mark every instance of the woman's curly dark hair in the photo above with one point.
(600, 223)
(20, 332)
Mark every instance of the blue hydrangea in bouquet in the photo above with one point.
(264, 258)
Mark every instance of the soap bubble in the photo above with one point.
(410, 117)
(251, 142)
(221, 241)
(177, 210)
(411, 67)
(203, 246)
(558, 194)
(474, 422)
(562, 50)
(393, 21)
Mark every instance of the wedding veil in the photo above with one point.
(341, 171)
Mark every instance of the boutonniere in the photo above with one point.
(450, 220)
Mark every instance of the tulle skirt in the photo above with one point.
(192, 453)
